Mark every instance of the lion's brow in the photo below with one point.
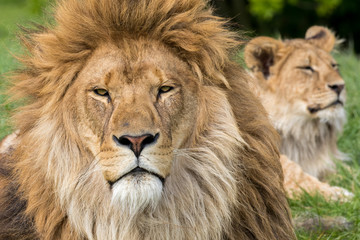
(108, 77)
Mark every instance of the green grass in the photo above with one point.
(13, 12)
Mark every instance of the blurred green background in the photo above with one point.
(291, 18)
(13, 13)
(259, 17)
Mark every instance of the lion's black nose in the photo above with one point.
(136, 143)
(336, 87)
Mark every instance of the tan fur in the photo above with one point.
(294, 79)
(296, 181)
(214, 148)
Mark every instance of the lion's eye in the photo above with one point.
(335, 66)
(101, 92)
(308, 68)
(165, 89)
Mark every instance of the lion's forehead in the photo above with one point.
(147, 58)
(309, 55)
(300, 58)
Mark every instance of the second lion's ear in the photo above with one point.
(260, 54)
(321, 37)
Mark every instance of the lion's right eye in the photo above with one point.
(165, 89)
(335, 66)
(101, 92)
(308, 68)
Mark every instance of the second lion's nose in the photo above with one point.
(336, 87)
(136, 143)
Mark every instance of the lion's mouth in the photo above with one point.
(136, 171)
(316, 109)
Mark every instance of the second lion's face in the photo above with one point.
(310, 79)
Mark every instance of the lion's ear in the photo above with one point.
(321, 37)
(260, 54)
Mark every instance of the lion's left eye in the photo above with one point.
(165, 89)
(307, 68)
(101, 92)
(335, 66)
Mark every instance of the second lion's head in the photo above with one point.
(300, 85)
(299, 76)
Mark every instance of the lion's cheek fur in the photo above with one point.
(183, 124)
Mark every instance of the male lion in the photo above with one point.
(139, 126)
(299, 84)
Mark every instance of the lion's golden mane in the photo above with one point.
(225, 183)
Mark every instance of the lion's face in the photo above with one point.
(310, 79)
(300, 76)
(131, 106)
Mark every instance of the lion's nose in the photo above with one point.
(136, 143)
(336, 87)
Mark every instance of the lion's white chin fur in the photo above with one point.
(310, 140)
(336, 116)
(133, 194)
